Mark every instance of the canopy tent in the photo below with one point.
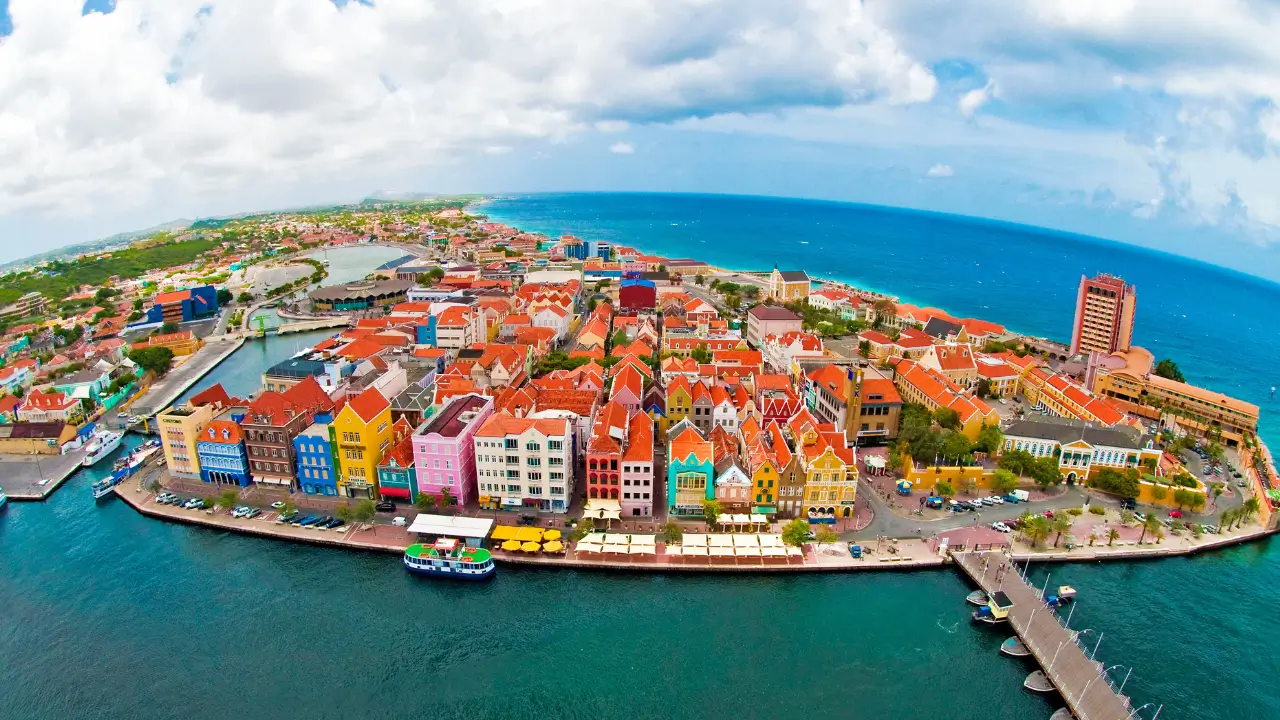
(770, 540)
(747, 551)
(529, 534)
(602, 509)
(694, 540)
(551, 535)
(721, 551)
(644, 550)
(740, 519)
(503, 532)
(531, 547)
(770, 551)
(874, 461)
(674, 550)
(454, 526)
(745, 541)
(592, 546)
(617, 539)
(554, 546)
(759, 519)
(619, 548)
(696, 550)
(904, 486)
(719, 541)
(794, 551)
(511, 545)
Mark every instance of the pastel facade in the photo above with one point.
(526, 463)
(223, 460)
(363, 432)
(317, 461)
(180, 429)
(444, 448)
(690, 470)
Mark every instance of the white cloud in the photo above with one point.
(204, 97)
(622, 148)
(940, 171)
(971, 101)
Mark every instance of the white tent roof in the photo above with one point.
(674, 550)
(874, 461)
(616, 539)
(456, 526)
(694, 540)
(615, 548)
(696, 550)
(747, 551)
(745, 541)
(644, 550)
(770, 540)
(647, 540)
(720, 541)
(770, 551)
(722, 551)
(741, 519)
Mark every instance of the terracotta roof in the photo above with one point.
(8, 404)
(952, 358)
(881, 388)
(501, 425)
(170, 297)
(213, 432)
(639, 440)
(36, 400)
(611, 416)
(401, 453)
(369, 404)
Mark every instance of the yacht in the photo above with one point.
(102, 445)
(449, 558)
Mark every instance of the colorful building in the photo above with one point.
(444, 451)
(317, 461)
(397, 474)
(788, 285)
(223, 460)
(180, 430)
(183, 305)
(525, 463)
(690, 470)
(604, 452)
(363, 432)
(637, 469)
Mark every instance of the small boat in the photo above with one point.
(449, 558)
(995, 611)
(3, 498)
(1013, 647)
(1066, 594)
(102, 445)
(1037, 682)
(977, 597)
(1062, 714)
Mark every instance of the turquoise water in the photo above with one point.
(1219, 325)
(107, 614)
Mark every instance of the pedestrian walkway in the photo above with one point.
(1080, 681)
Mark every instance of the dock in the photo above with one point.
(33, 478)
(1079, 680)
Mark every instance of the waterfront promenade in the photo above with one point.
(1078, 678)
(35, 477)
(164, 391)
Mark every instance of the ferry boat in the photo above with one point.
(102, 445)
(449, 558)
(124, 467)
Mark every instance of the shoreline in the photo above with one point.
(131, 494)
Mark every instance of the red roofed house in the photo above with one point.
(955, 363)
(543, 452)
(41, 407)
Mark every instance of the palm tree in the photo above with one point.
(1060, 524)
(1037, 530)
(1250, 508)
(1093, 537)
(1227, 517)
(1151, 524)
(1112, 536)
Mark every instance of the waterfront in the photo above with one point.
(167, 616)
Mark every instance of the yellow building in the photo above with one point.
(363, 432)
(180, 343)
(180, 428)
(679, 400)
(830, 471)
(788, 285)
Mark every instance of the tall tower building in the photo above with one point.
(1104, 315)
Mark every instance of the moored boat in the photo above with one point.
(1037, 682)
(996, 610)
(102, 445)
(977, 597)
(449, 558)
(1013, 647)
(3, 498)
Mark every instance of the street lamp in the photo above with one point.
(1086, 685)
(1137, 710)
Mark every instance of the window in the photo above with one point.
(557, 490)
(533, 462)
(557, 476)
(532, 447)
(512, 444)
(535, 477)
(555, 445)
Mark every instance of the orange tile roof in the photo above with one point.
(213, 432)
(881, 387)
(639, 440)
(369, 404)
(501, 425)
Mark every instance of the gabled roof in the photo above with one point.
(639, 440)
(369, 404)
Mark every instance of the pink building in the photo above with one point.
(443, 450)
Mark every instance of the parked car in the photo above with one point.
(321, 522)
(1001, 527)
(239, 512)
(996, 500)
(193, 503)
(252, 513)
(289, 517)
(303, 522)
(122, 415)
(385, 506)
(1239, 483)
(398, 522)
(1012, 499)
(1177, 514)
(1139, 516)
(336, 522)
(1048, 514)
(277, 505)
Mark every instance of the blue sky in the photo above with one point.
(1153, 122)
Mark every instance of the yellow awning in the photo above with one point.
(531, 547)
(553, 546)
(529, 534)
(504, 532)
(511, 545)
(551, 535)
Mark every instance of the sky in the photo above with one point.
(1153, 122)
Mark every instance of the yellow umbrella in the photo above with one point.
(531, 547)
(554, 546)
(551, 535)
(511, 545)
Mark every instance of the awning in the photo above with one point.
(773, 551)
(616, 548)
(770, 540)
(504, 532)
(395, 492)
(529, 534)
(745, 541)
(531, 547)
(694, 540)
(551, 535)
(672, 550)
(694, 550)
(511, 501)
(747, 551)
(721, 551)
(531, 502)
(643, 550)
(759, 518)
(719, 541)
(616, 539)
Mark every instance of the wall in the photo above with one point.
(926, 478)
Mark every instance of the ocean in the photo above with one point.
(1218, 325)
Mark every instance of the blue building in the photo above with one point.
(220, 451)
(426, 334)
(183, 305)
(316, 463)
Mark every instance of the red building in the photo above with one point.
(1104, 315)
(638, 295)
(604, 452)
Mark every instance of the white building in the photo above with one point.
(525, 462)
(554, 317)
(780, 350)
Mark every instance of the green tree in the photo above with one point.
(990, 439)
(224, 296)
(956, 447)
(288, 508)
(1037, 530)
(1182, 497)
(168, 328)
(968, 486)
(944, 490)
(619, 339)
(244, 297)
(864, 348)
(1112, 536)
(1019, 462)
(699, 279)
(711, 511)
(984, 388)
(672, 533)
(1126, 516)
(1195, 501)
(1169, 369)
(795, 533)
(582, 529)
(826, 536)
(1061, 523)
(137, 304)
(155, 360)
(228, 499)
(1045, 472)
(1250, 508)
(364, 512)
(345, 512)
(447, 500)
(1151, 524)
(425, 502)
(1159, 493)
(702, 354)
(947, 418)
(1004, 482)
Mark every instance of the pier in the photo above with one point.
(1078, 679)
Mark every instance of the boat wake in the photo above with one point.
(948, 630)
